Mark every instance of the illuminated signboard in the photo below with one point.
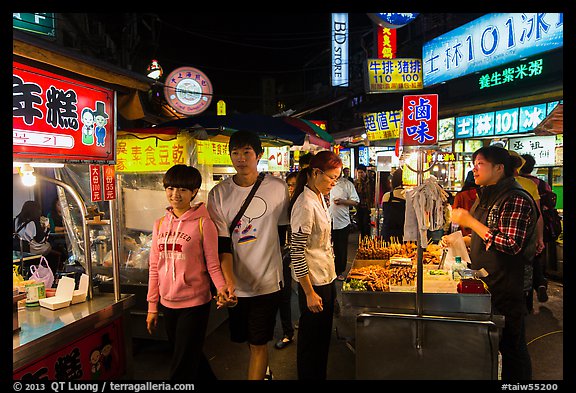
(278, 158)
(385, 75)
(188, 91)
(503, 122)
(43, 23)
(59, 119)
(490, 41)
(464, 127)
(386, 43)
(363, 155)
(510, 74)
(340, 50)
(484, 124)
(151, 154)
(506, 122)
(213, 153)
(392, 20)
(446, 129)
(420, 120)
(542, 148)
(383, 125)
(531, 116)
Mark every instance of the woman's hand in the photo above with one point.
(461, 217)
(151, 322)
(314, 302)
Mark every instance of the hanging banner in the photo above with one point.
(151, 154)
(339, 50)
(95, 183)
(109, 182)
(59, 119)
(386, 42)
(420, 120)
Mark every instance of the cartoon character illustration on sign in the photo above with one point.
(88, 127)
(256, 209)
(106, 352)
(100, 118)
(95, 363)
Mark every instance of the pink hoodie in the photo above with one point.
(182, 261)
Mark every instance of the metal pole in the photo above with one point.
(115, 257)
(78, 198)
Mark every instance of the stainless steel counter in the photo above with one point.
(43, 331)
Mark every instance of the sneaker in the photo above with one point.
(268, 376)
(542, 294)
(284, 342)
(341, 277)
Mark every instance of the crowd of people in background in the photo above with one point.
(297, 237)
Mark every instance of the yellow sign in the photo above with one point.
(385, 75)
(213, 153)
(151, 154)
(221, 108)
(383, 125)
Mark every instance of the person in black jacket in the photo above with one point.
(503, 223)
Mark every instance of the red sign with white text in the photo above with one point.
(109, 182)
(420, 120)
(95, 183)
(58, 119)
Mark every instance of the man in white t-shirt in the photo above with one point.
(253, 248)
(342, 196)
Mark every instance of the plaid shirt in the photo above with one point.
(507, 229)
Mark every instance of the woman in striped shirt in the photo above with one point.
(313, 262)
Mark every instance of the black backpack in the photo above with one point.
(552, 220)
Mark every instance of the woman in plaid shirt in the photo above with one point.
(503, 221)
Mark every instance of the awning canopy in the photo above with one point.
(553, 124)
(290, 129)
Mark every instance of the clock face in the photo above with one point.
(188, 91)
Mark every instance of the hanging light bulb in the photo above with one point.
(154, 70)
(27, 173)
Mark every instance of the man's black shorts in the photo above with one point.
(254, 318)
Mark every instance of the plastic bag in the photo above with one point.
(42, 273)
(457, 249)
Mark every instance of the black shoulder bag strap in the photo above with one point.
(246, 202)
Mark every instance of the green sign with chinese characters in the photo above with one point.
(43, 23)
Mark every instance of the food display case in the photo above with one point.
(400, 329)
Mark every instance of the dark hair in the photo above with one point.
(182, 176)
(245, 138)
(324, 160)
(528, 166)
(397, 178)
(31, 211)
(469, 182)
(361, 167)
(290, 175)
(304, 160)
(496, 155)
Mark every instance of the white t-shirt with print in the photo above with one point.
(310, 215)
(255, 244)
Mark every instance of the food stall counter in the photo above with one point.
(88, 340)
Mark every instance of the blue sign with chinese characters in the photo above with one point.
(490, 41)
(464, 127)
(531, 116)
(484, 124)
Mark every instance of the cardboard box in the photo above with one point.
(80, 294)
(63, 296)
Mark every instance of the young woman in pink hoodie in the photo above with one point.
(183, 260)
